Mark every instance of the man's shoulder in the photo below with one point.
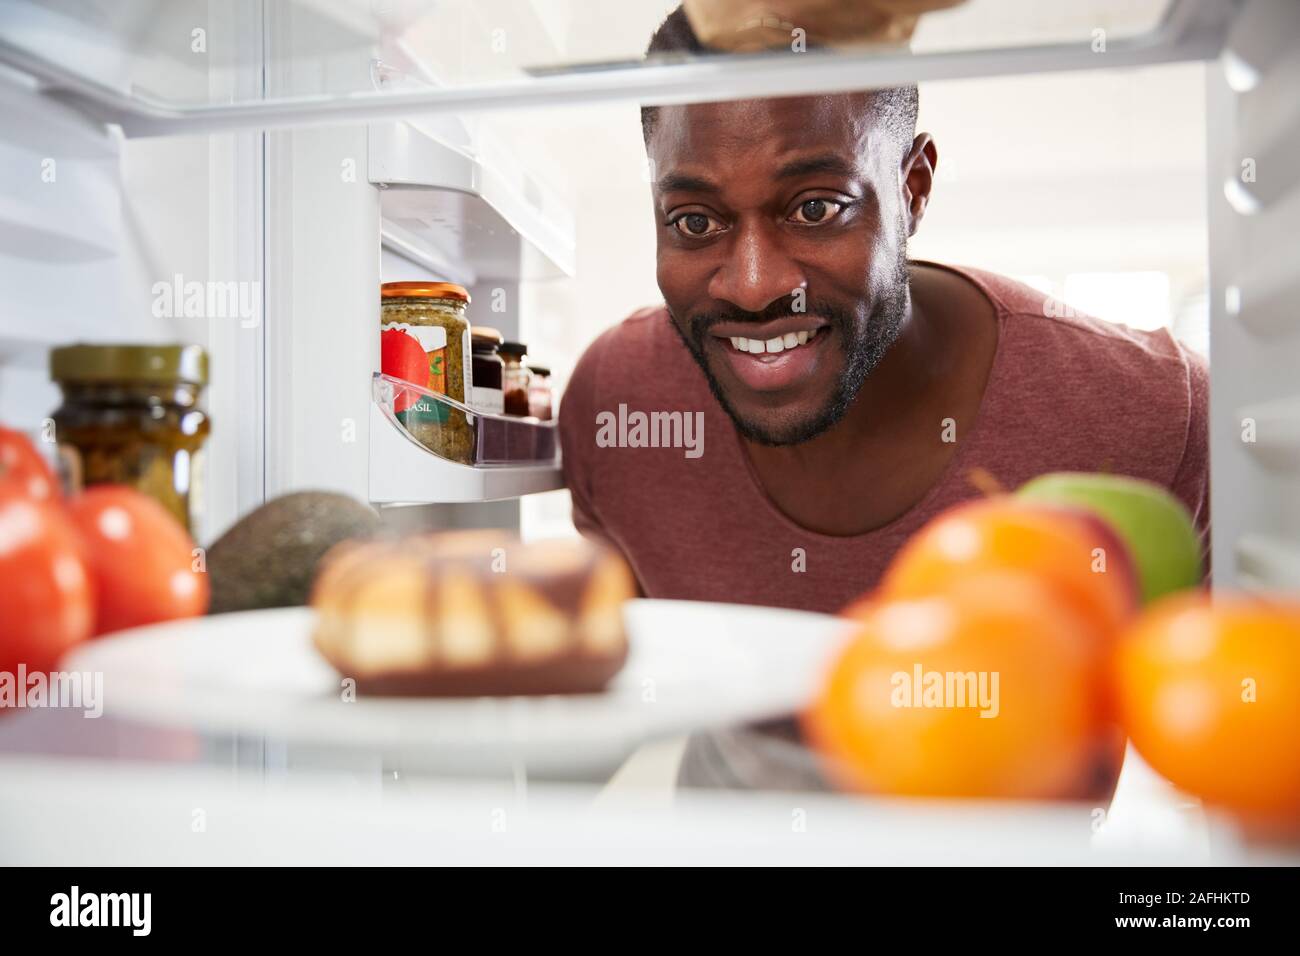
(1083, 392)
(643, 364)
(1046, 338)
(647, 327)
(640, 358)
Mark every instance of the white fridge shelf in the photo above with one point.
(440, 204)
(1267, 563)
(1276, 443)
(520, 455)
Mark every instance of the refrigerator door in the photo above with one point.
(103, 239)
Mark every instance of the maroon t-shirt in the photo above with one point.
(1063, 394)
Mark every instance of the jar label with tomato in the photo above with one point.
(416, 354)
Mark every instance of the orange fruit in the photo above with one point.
(903, 709)
(1073, 551)
(1209, 692)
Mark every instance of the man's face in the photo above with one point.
(781, 252)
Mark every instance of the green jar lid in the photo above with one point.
(129, 363)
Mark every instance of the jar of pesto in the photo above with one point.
(130, 414)
(425, 340)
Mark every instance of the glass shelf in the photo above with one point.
(137, 62)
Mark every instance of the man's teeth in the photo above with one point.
(790, 340)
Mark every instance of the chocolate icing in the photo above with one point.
(564, 575)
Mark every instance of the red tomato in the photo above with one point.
(22, 464)
(47, 597)
(141, 558)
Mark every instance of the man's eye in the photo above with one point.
(696, 225)
(816, 211)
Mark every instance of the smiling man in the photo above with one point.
(846, 393)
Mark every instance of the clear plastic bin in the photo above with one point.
(459, 433)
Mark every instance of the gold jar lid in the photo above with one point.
(129, 363)
(423, 290)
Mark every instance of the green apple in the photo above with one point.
(1154, 524)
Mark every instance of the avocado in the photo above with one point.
(269, 557)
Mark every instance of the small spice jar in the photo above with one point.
(425, 340)
(540, 396)
(515, 378)
(130, 415)
(489, 370)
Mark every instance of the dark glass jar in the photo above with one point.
(489, 370)
(130, 415)
(515, 378)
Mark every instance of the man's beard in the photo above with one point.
(864, 349)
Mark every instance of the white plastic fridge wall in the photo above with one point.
(1254, 223)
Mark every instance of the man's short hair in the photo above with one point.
(896, 106)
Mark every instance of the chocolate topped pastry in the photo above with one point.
(472, 613)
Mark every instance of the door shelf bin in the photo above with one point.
(426, 447)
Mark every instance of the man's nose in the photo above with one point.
(757, 271)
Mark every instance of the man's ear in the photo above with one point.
(917, 175)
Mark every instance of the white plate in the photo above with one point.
(692, 665)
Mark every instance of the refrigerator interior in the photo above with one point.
(293, 156)
(307, 151)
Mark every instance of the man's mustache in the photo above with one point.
(702, 322)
